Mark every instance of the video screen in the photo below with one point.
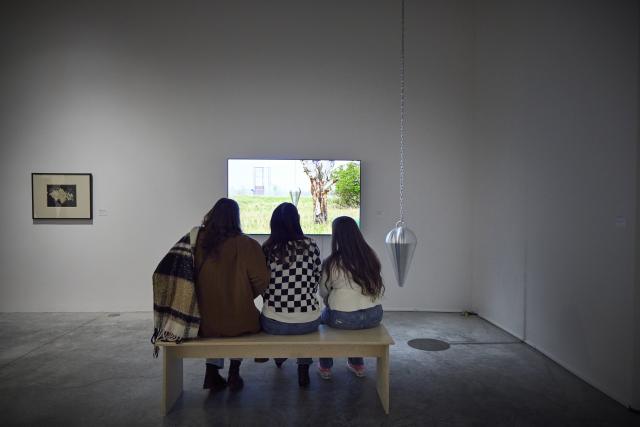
(321, 190)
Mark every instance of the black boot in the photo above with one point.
(212, 379)
(303, 375)
(234, 379)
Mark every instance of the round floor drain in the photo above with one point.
(428, 344)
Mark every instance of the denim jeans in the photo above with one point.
(274, 327)
(361, 319)
(219, 363)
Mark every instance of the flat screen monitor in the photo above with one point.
(321, 190)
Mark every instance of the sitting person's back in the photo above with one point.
(290, 303)
(345, 294)
(227, 286)
(230, 271)
(351, 286)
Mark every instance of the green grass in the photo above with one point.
(255, 214)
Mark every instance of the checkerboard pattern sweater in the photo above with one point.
(291, 295)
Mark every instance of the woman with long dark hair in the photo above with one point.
(230, 272)
(351, 287)
(290, 303)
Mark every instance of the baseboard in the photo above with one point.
(451, 310)
(584, 377)
(504, 328)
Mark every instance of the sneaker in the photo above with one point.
(325, 373)
(358, 370)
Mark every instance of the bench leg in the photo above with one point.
(383, 379)
(172, 379)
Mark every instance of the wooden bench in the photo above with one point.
(327, 342)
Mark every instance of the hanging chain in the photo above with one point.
(402, 118)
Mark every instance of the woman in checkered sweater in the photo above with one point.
(290, 303)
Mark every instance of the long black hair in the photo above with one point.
(287, 238)
(220, 223)
(351, 253)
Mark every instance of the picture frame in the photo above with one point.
(62, 196)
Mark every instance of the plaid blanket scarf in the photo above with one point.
(175, 305)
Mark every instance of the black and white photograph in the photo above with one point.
(59, 195)
(62, 196)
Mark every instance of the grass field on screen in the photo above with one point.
(255, 213)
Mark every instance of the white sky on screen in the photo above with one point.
(279, 176)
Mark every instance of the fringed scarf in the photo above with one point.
(175, 304)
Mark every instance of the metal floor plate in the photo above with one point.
(428, 344)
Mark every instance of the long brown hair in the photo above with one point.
(220, 223)
(351, 253)
(286, 238)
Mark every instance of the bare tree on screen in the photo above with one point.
(319, 173)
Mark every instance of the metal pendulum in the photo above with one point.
(401, 241)
(295, 196)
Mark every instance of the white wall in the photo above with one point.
(556, 128)
(153, 97)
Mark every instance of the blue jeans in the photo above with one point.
(361, 319)
(274, 327)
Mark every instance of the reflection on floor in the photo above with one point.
(97, 369)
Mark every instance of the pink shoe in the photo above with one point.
(325, 373)
(358, 370)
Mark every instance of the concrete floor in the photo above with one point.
(84, 369)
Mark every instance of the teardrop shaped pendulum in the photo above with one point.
(294, 194)
(401, 241)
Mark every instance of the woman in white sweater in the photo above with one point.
(351, 287)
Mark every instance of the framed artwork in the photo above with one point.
(62, 195)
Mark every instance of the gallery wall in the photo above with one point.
(152, 97)
(555, 140)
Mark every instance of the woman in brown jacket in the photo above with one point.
(231, 272)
